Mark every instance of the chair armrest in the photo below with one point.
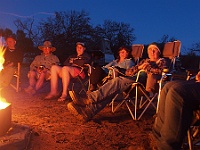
(191, 73)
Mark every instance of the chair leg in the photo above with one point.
(147, 106)
(82, 83)
(16, 85)
(190, 144)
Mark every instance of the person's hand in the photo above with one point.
(129, 72)
(198, 77)
(9, 65)
(71, 60)
(143, 66)
(41, 69)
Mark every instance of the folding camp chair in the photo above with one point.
(193, 133)
(137, 51)
(171, 51)
(135, 98)
(16, 83)
(83, 82)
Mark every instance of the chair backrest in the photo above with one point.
(171, 51)
(137, 51)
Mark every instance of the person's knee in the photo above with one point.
(32, 74)
(54, 68)
(66, 68)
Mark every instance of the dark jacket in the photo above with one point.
(14, 57)
(74, 60)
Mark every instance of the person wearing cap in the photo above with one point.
(40, 67)
(12, 56)
(71, 69)
(120, 65)
(85, 109)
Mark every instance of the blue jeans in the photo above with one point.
(110, 89)
(177, 102)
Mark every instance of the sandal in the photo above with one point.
(62, 98)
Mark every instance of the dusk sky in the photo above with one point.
(151, 19)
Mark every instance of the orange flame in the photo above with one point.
(3, 103)
(2, 51)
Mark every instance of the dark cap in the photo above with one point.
(80, 43)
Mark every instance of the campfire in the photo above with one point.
(12, 135)
(5, 107)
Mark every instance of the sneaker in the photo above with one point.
(79, 101)
(81, 113)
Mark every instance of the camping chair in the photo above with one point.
(171, 52)
(83, 83)
(193, 133)
(137, 51)
(135, 98)
(16, 84)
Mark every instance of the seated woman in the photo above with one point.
(40, 68)
(120, 64)
(71, 69)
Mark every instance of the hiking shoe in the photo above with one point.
(81, 113)
(79, 101)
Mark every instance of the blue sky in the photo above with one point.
(151, 19)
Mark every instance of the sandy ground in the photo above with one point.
(54, 128)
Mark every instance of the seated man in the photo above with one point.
(12, 56)
(71, 69)
(40, 68)
(177, 102)
(98, 99)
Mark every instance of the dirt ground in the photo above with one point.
(54, 128)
